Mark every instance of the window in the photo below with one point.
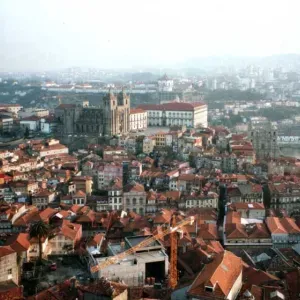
(134, 201)
(9, 271)
(209, 289)
(127, 201)
(141, 201)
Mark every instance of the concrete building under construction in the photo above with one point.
(146, 262)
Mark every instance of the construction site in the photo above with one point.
(141, 261)
(147, 264)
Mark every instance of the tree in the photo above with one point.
(39, 230)
(26, 133)
(192, 161)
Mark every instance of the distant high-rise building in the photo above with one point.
(214, 84)
(268, 75)
(252, 83)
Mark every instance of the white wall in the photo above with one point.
(235, 288)
(32, 125)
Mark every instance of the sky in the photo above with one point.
(41, 35)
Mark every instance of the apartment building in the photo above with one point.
(8, 264)
(42, 199)
(66, 238)
(134, 196)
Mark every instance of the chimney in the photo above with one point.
(122, 245)
(44, 184)
(73, 283)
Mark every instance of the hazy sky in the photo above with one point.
(40, 34)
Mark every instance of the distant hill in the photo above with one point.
(290, 61)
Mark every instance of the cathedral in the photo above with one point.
(111, 118)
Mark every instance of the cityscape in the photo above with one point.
(174, 177)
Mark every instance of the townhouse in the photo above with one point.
(42, 199)
(284, 231)
(285, 195)
(203, 200)
(65, 238)
(8, 265)
(239, 231)
(134, 196)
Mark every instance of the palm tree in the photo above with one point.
(39, 230)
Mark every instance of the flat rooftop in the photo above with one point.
(132, 241)
(135, 240)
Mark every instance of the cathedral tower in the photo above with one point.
(116, 113)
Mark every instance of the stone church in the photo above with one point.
(110, 118)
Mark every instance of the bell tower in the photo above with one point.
(110, 112)
(116, 113)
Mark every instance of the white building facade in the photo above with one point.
(177, 113)
(138, 119)
(165, 84)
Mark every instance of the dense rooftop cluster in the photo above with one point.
(94, 203)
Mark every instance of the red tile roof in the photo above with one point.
(220, 274)
(31, 216)
(9, 105)
(101, 288)
(19, 242)
(79, 194)
(174, 106)
(134, 188)
(247, 206)
(66, 105)
(136, 111)
(233, 217)
(282, 225)
(70, 230)
(96, 240)
(235, 231)
(252, 276)
(31, 118)
(208, 231)
(190, 177)
(6, 250)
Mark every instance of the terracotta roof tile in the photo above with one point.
(47, 213)
(79, 194)
(134, 188)
(19, 242)
(70, 230)
(6, 250)
(220, 274)
(208, 231)
(275, 225)
(136, 111)
(174, 106)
